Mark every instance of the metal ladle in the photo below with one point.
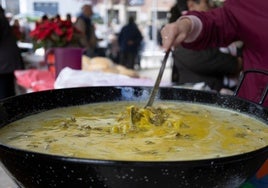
(158, 80)
(133, 111)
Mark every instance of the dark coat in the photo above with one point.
(130, 38)
(10, 58)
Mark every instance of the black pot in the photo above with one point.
(31, 169)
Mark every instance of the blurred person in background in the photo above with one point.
(88, 37)
(44, 18)
(113, 47)
(17, 31)
(177, 10)
(69, 18)
(130, 40)
(10, 57)
(208, 66)
(57, 18)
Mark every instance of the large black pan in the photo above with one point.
(30, 169)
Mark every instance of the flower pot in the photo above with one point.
(63, 57)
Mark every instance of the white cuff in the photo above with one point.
(196, 28)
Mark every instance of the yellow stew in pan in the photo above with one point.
(170, 131)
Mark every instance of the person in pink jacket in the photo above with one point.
(236, 20)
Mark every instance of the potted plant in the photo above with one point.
(59, 38)
(54, 33)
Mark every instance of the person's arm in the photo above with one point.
(175, 33)
(218, 29)
(199, 30)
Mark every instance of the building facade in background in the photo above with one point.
(148, 13)
(108, 10)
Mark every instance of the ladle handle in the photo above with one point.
(158, 80)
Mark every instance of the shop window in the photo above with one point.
(51, 8)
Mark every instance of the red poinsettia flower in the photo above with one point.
(57, 33)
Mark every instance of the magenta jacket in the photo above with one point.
(245, 20)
